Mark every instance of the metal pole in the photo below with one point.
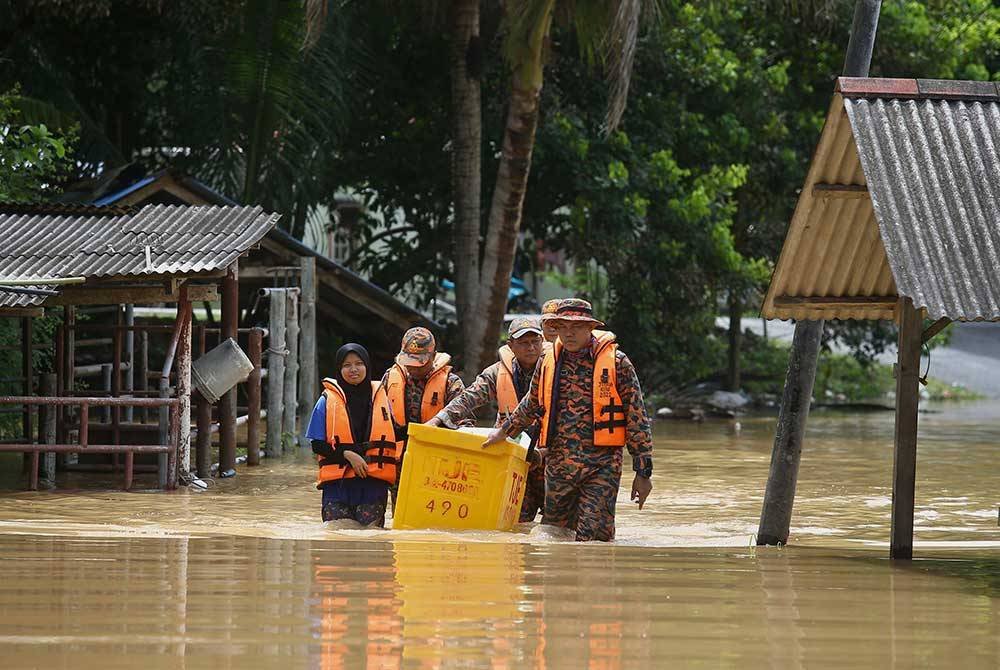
(144, 371)
(106, 376)
(254, 346)
(308, 365)
(227, 404)
(275, 371)
(288, 419)
(779, 497)
(27, 371)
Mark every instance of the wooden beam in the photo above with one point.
(135, 295)
(859, 302)
(840, 191)
(30, 312)
(904, 464)
(934, 329)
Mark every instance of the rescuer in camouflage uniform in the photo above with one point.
(582, 479)
(525, 343)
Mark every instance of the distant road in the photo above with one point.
(971, 359)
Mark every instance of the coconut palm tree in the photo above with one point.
(607, 32)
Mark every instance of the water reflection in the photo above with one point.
(233, 602)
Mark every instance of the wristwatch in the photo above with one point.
(643, 466)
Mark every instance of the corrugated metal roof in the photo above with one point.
(158, 239)
(924, 187)
(933, 169)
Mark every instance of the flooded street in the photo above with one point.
(245, 576)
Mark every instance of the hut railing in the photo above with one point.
(167, 447)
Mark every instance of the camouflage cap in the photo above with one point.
(523, 325)
(418, 347)
(549, 308)
(575, 309)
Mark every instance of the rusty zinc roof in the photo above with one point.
(902, 199)
(47, 241)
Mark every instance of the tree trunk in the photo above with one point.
(504, 223)
(508, 194)
(466, 166)
(735, 341)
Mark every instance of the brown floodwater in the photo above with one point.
(245, 576)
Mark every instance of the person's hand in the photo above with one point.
(435, 422)
(641, 486)
(357, 462)
(541, 451)
(496, 437)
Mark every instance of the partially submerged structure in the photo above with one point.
(899, 218)
(350, 307)
(68, 256)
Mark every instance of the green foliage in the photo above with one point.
(32, 157)
(840, 378)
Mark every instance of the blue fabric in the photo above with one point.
(355, 491)
(317, 422)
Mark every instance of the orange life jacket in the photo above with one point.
(433, 400)
(608, 410)
(381, 451)
(507, 400)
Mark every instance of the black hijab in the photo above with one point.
(359, 397)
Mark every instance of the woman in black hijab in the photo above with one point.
(360, 497)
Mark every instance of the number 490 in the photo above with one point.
(446, 505)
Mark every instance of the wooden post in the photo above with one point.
(27, 371)
(184, 384)
(129, 359)
(308, 364)
(288, 419)
(69, 373)
(779, 496)
(49, 389)
(254, 346)
(106, 378)
(59, 363)
(203, 446)
(144, 370)
(116, 385)
(275, 371)
(904, 462)
(227, 404)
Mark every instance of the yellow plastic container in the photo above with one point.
(450, 481)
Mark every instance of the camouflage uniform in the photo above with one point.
(581, 479)
(482, 392)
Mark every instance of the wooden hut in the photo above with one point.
(899, 218)
(57, 256)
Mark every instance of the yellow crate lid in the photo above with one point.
(470, 439)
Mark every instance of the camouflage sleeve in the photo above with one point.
(455, 389)
(529, 410)
(638, 431)
(481, 392)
